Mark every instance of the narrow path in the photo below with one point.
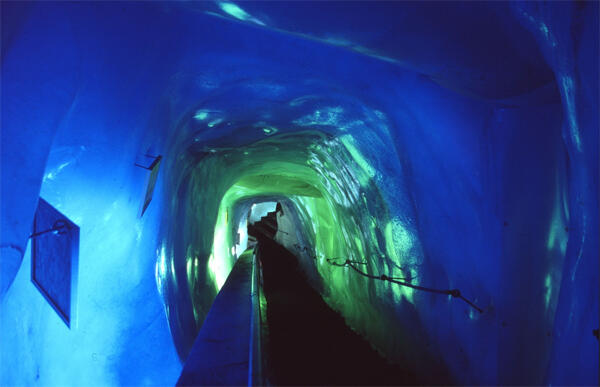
(309, 343)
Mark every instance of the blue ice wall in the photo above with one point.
(481, 121)
(568, 36)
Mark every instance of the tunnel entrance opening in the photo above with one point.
(266, 226)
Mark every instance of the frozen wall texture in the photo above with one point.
(453, 145)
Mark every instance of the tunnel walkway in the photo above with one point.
(309, 343)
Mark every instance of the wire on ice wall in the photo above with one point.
(455, 293)
(451, 292)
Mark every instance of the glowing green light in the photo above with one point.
(235, 11)
(189, 273)
(173, 274)
(569, 103)
(359, 247)
(329, 184)
(398, 243)
(404, 238)
(389, 243)
(269, 130)
(214, 122)
(201, 115)
(557, 234)
(238, 13)
(279, 184)
(548, 287)
(357, 156)
(221, 260)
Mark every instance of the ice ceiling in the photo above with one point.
(454, 145)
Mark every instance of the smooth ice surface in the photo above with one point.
(452, 145)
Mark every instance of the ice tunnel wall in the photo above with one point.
(423, 172)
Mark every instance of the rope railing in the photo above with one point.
(455, 293)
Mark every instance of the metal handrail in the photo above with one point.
(255, 348)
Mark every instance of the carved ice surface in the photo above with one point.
(452, 146)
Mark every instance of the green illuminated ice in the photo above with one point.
(334, 207)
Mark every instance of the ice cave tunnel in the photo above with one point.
(301, 193)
